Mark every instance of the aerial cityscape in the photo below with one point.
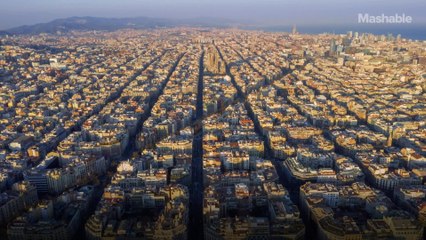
(187, 131)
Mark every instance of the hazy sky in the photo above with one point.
(272, 12)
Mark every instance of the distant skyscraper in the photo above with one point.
(294, 30)
(333, 46)
(398, 37)
(356, 35)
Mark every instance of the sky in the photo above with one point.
(267, 12)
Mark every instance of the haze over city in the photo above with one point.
(266, 12)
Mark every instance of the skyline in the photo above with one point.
(212, 119)
(266, 13)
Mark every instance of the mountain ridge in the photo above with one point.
(88, 23)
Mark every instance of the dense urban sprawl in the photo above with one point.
(212, 133)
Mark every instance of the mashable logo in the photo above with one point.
(379, 19)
